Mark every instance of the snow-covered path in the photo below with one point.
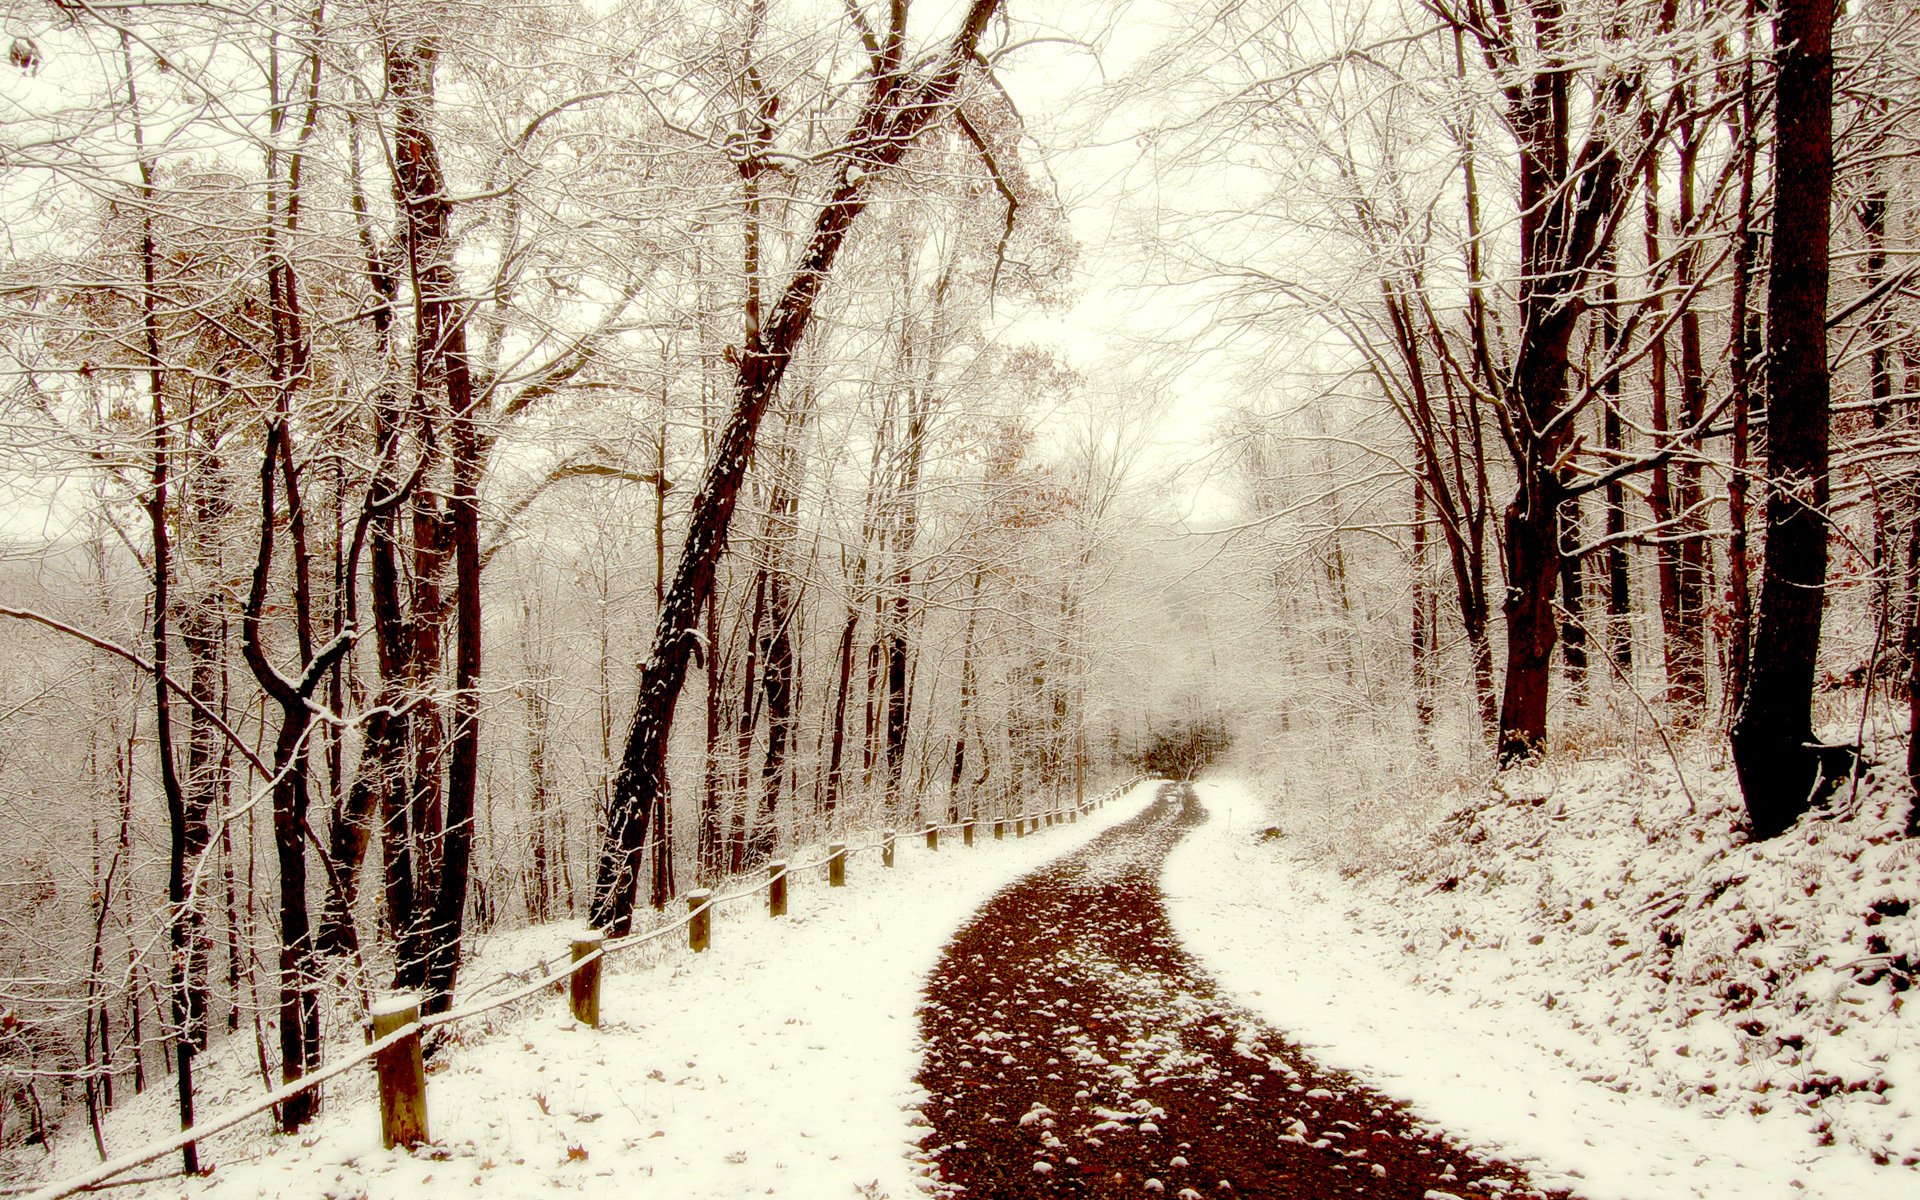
(1287, 940)
(780, 1062)
(1073, 1048)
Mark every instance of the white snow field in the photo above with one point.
(780, 1062)
(1536, 1028)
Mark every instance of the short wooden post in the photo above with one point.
(1019, 827)
(700, 928)
(999, 831)
(837, 865)
(583, 988)
(886, 848)
(402, 1072)
(966, 833)
(777, 889)
(1073, 814)
(933, 837)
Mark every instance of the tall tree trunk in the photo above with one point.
(780, 669)
(1660, 490)
(299, 1006)
(897, 610)
(1773, 734)
(382, 775)
(441, 370)
(1564, 204)
(181, 826)
(1687, 685)
(968, 685)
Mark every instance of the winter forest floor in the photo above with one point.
(1591, 970)
(1565, 975)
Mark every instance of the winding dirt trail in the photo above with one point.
(1074, 1049)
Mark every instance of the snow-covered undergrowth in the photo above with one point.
(1589, 968)
(779, 1062)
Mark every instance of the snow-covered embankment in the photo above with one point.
(1449, 999)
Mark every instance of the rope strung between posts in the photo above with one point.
(95, 1176)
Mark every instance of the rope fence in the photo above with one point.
(394, 1042)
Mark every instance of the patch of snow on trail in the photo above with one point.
(780, 1062)
(1323, 960)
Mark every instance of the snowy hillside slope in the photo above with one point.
(779, 1062)
(1586, 966)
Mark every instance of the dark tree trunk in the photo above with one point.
(182, 836)
(837, 737)
(899, 106)
(443, 820)
(779, 672)
(1564, 204)
(299, 1005)
(1533, 568)
(957, 782)
(382, 777)
(896, 609)
(1773, 734)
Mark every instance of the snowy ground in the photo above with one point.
(1572, 975)
(777, 1063)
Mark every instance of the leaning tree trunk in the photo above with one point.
(1773, 747)
(900, 105)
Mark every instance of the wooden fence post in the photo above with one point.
(700, 928)
(1020, 827)
(402, 1072)
(777, 888)
(966, 833)
(583, 987)
(837, 865)
(999, 830)
(1073, 814)
(933, 837)
(886, 849)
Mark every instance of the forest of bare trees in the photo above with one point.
(1586, 335)
(467, 467)
(386, 383)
